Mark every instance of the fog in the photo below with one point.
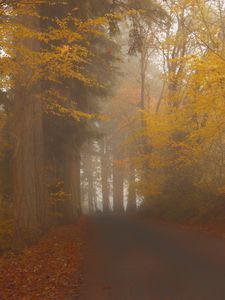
(112, 149)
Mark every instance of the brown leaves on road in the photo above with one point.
(47, 271)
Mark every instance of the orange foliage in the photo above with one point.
(49, 270)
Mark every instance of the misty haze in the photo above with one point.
(112, 149)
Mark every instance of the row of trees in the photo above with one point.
(165, 135)
(183, 156)
(156, 134)
(110, 175)
(50, 54)
(58, 64)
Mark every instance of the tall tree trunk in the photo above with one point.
(77, 185)
(105, 175)
(132, 204)
(29, 196)
(143, 78)
(28, 158)
(91, 192)
(71, 178)
(118, 187)
(90, 179)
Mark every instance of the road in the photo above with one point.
(131, 259)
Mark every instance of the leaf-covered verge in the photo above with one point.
(52, 269)
(212, 225)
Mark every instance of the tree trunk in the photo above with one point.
(131, 205)
(71, 178)
(118, 185)
(91, 192)
(29, 198)
(90, 179)
(143, 79)
(105, 175)
(28, 158)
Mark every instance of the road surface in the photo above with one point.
(131, 259)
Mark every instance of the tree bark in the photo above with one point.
(90, 179)
(91, 192)
(105, 175)
(118, 188)
(28, 158)
(132, 204)
(71, 178)
(29, 196)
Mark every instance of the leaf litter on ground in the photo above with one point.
(49, 270)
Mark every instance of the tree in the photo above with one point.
(41, 70)
(186, 134)
(28, 164)
(105, 173)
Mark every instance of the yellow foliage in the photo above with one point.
(59, 52)
(189, 136)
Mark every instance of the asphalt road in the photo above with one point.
(130, 259)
